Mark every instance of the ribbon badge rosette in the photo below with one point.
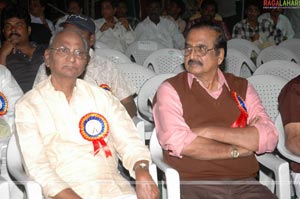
(3, 104)
(94, 127)
(242, 119)
(105, 87)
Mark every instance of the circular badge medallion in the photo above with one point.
(3, 104)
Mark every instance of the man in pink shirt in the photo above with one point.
(207, 130)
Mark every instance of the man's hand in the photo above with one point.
(7, 47)
(107, 25)
(145, 186)
(124, 23)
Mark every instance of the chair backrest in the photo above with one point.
(276, 53)
(246, 47)
(164, 60)
(268, 88)
(138, 51)
(285, 69)
(292, 44)
(238, 64)
(147, 92)
(14, 159)
(113, 55)
(154, 146)
(137, 74)
(281, 141)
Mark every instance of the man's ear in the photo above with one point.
(92, 40)
(46, 57)
(29, 30)
(221, 56)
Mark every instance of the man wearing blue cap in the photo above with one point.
(100, 70)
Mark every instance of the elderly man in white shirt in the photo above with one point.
(10, 92)
(100, 71)
(71, 133)
(115, 33)
(159, 29)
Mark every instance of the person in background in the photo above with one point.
(175, 11)
(100, 71)
(289, 108)
(260, 32)
(73, 7)
(71, 133)
(209, 10)
(122, 12)
(198, 14)
(281, 25)
(10, 92)
(17, 53)
(213, 121)
(159, 29)
(113, 32)
(37, 14)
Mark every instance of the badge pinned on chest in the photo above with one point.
(94, 127)
(3, 104)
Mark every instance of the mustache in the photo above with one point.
(195, 62)
(14, 33)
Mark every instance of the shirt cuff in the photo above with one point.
(267, 138)
(175, 150)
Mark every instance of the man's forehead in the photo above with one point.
(14, 20)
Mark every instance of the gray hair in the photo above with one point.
(85, 44)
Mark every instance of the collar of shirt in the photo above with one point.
(221, 82)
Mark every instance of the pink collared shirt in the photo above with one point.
(174, 134)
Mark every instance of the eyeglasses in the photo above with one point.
(65, 52)
(200, 50)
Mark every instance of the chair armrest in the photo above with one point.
(281, 170)
(287, 154)
(172, 178)
(32, 189)
(4, 188)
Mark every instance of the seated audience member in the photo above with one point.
(20, 56)
(289, 108)
(202, 119)
(281, 25)
(115, 33)
(209, 9)
(10, 92)
(158, 28)
(175, 11)
(100, 71)
(294, 17)
(73, 8)
(71, 133)
(259, 32)
(198, 14)
(37, 14)
(122, 11)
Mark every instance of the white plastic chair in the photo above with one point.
(138, 51)
(144, 100)
(164, 60)
(292, 44)
(268, 88)
(238, 64)
(282, 68)
(113, 55)
(276, 53)
(4, 188)
(246, 47)
(137, 74)
(15, 168)
(171, 188)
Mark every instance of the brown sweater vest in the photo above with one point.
(200, 108)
